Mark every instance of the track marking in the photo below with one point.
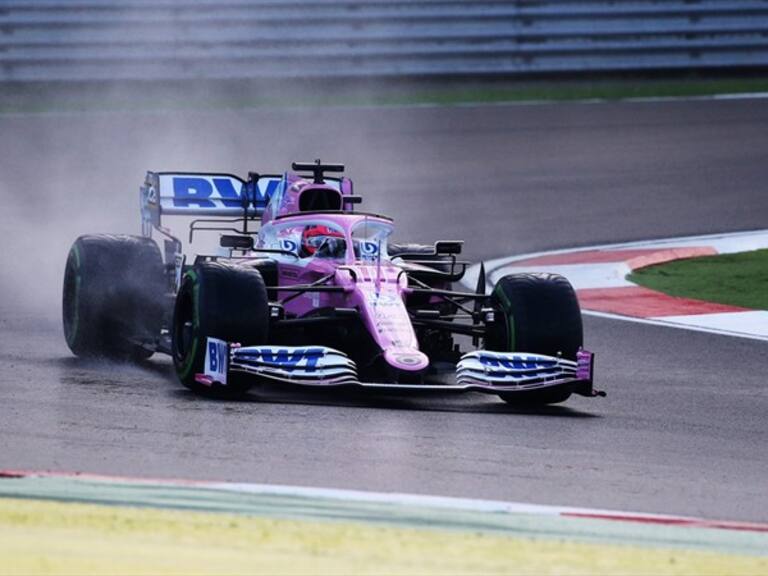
(641, 302)
(598, 274)
(58, 485)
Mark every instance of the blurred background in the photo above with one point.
(247, 51)
(93, 93)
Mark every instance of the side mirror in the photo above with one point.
(448, 247)
(236, 242)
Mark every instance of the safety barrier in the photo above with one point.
(52, 40)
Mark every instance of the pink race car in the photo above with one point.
(317, 295)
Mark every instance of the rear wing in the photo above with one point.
(204, 194)
(208, 194)
(219, 202)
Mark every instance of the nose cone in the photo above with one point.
(406, 359)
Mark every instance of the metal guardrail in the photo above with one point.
(50, 40)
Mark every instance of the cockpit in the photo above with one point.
(322, 242)
(343, 238)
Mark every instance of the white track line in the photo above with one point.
(679, 325)
(400, 499)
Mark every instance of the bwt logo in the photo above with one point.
(300, 358)
(520, 363)
(202, 192)
(217, 356)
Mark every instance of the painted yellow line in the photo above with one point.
(52, 538)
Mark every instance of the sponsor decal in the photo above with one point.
(369, 250)
(384, 299)
(289, 359)
(265, 190)
(190, 191)
(515, 362)
(216, 360)
(289, 246)
(584, 365)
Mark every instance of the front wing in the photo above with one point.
(479, 371)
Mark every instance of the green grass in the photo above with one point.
(247, 94)
(735, 279)
(574, 90)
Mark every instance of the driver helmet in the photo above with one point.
(329, 241)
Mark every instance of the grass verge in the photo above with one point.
(734, 279)
(52, 538)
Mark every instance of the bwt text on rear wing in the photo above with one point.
(204, 194)
(217, 195)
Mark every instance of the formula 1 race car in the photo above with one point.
(317, 295)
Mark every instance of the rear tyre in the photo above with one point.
(541, 315)
(221, 301)
(113, 296)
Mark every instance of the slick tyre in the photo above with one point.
(113, 295)
(221, 301)
(539, 314)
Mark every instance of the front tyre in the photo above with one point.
(113, 296)
(541, 315)
(221, 301)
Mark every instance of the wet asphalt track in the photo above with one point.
(683, 430)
